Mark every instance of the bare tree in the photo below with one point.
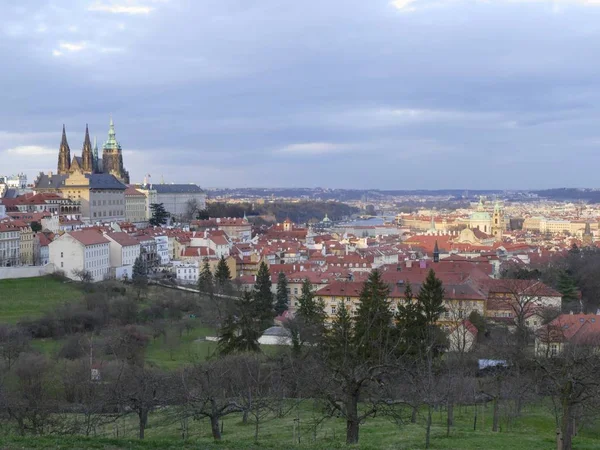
(571, 378)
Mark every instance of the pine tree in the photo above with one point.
(431, 298)
(223, 277)
(139, 275)
(310, 309)
(240, 333)
(410, 322)
(205, 280)
(282, 303)
(160, 215)
(568, 289)
(339, 340)
(263, 296)
(373, 318)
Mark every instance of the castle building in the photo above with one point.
(89, 161)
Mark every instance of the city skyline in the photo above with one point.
(391, 95)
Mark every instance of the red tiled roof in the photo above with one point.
(123, 239)
(88, 237)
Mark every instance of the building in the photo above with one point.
(124, 249)
(187, 272)
(2, 211)
(481, 219)
(83, 250)
(568, 329)
(88, 162)
(100, 197)
(136, 208)
(10, 244)
(25, 242)
(175, 197)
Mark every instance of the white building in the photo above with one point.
(187, 272)
(2, 211)
(10, 245)
(124, 249)
(81, 250)
(162, 249)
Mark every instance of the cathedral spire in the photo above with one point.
(87, 157)
(64, 154)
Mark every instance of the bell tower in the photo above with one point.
(498, 221)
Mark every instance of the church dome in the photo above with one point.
(479, 216)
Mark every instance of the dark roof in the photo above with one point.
(45, 181)
(177, 189)
(97, 181)
(105, 181)
(11, 193)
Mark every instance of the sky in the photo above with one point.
(404, 94)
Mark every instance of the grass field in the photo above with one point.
(533, 431)
(168, 354)
(32, 297)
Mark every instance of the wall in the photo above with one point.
(25, 272)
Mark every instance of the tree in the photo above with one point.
(36, 226)
(206, 283)
(85, 276)
(308, 324)
(192, 208)
(373, 317)
(223, 277)
(203, 215)
(355, 356)
(571, 379)
(240, 332)
(160, 215)
(263, 296)
(431, 298)
(139, 275)
(209, 391)
(568, 289)
(282, 302)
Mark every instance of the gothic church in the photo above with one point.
(89, 162)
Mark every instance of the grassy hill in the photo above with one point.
(32, 297)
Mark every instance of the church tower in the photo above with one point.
(436, 253)
(112, 156)
(498, 222)
(64, 155)
(588, 237)
(87, 159)
(95, 161)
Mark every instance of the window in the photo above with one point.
(553, 349)
(333, 310)
(62, 264)
(61, 254)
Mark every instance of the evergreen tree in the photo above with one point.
(339, 340)
(568, 289)
(282, 303)
(223, 277)
(205, 280)
(263, 296)
(35, 226)
(373, 318)
(139, 275)
(160, 215)
(240, 333)
(431, 298)
(310, 309)
(410, 322)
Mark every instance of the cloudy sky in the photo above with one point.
(334, 93)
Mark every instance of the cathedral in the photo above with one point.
(89, 162)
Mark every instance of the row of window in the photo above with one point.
(108, 213)
(107, 202)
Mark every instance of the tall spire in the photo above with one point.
(87, 158)
(436, 252)
(64, 154)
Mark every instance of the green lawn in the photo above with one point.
(171, 353)
(533, 431)
(32, 297)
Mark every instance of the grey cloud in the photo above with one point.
(211, 91)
